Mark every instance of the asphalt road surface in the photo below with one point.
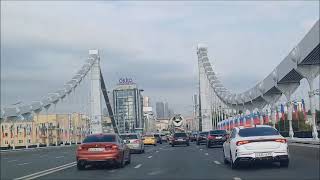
(159, 162)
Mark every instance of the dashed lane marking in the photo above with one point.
(12, 160)
(206, 154)
(236, 178)
(22, 164)
(217, 162)
(45, 172)
(157, 151)
(138, 166)
(149, 157)
(201, 149)
(112, 170)
(59, 157)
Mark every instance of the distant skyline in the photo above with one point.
(44, 43)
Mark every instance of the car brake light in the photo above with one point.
(211, 137)
(281, 140)
(79, 147)
(136, 141)
(242, 142)
(114, 147)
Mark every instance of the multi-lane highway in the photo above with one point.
(159, 162)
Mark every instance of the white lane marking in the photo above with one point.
(138, 166)
(48, 171)
(112, 170)
(154, 172)
(201, 149)
(160, 148)
(206, 154)
(217, 162)
(5, 158)
(236, 178)
(22, 164)
(157, 151)
(12, 160)
(59, 157)
(149, 157)
(43, 156)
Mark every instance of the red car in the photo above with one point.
(103, 148)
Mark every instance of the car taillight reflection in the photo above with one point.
(211, 137)
(239, 143)
(281, 140)
(136, 141)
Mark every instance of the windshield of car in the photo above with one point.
(180, 135)
(129, 136)
(218, 132)
(149, 136)
(103, 138)
(258, 131)
(204, 133)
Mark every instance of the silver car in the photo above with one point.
(134, 141)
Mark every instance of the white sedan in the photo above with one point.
(256, 143)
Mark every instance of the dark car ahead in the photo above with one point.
(216, 137)
(202, 137)
(180, 138)
(193, 136)
(158, 137)
(102, 149)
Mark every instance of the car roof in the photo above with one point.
(257, 126)
(101, 134)
(129, 134)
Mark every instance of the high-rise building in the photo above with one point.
(128, 106)
(160, 109)
(166, 110)
(146, 101)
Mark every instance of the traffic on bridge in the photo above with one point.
(160, 90)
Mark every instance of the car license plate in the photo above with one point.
(218, 137)
(263, 154)
(95, 149)
(180, 139)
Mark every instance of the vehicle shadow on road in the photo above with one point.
(101, 167)
(259, 165)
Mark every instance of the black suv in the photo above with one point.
(180, 138)
(216, 137)
(202, 137)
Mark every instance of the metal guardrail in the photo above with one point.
(299, 134)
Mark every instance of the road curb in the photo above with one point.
(302, 141)
(30, 149)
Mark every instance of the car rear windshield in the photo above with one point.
(218, 132)
(180, 135)
(258, 131)
(157, 135)
(148, 136)
(204, 133)
(103, 138)
(129, 136)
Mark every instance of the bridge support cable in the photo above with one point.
(107, 101)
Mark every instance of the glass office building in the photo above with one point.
(128, 106)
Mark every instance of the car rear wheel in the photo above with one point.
(225, 160)
(121, 164)
(81, 166)
(198, 143)
(172, 145)
(154, 144)
(188, 144)
(232, 164)
(284, 163)
(129, 159)
(208, 145)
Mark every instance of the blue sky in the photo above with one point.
(44, 43)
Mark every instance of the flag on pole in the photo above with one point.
(24, 132)
(304, 109)
(2, 131)
(282, 111)
(295, 108)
